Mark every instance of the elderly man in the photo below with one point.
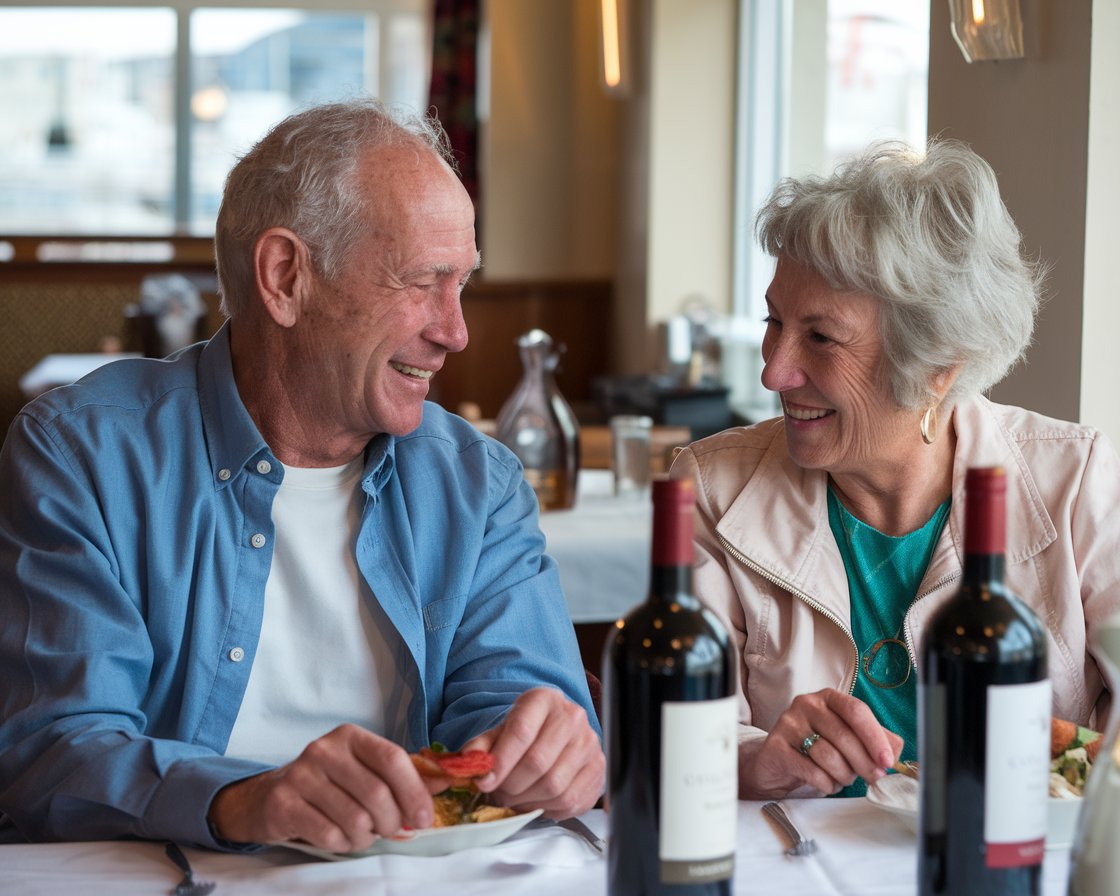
(237, 585)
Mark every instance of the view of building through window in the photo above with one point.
(92, 116)
(86, 120)
(878, 61)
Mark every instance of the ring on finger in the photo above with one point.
(807, 744)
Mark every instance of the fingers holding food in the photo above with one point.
(459, 769)
(459, 802)
(547, 755)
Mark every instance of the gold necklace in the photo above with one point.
(893, 643)
(871, 652)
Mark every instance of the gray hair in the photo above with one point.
(929, 236)
(302, 175)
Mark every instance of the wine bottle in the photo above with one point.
(983, 722)
(672, 754)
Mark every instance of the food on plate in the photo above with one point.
(460, 803)
(1072, 751)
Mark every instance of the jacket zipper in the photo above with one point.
(944, 580)
(804, 598)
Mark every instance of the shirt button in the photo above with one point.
(257, 540)
(263, 467)
(223, 474)
(237, 654)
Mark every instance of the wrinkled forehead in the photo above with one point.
(407, 174)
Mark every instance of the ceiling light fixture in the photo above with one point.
(987, 29)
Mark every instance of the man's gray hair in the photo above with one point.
(929, 236)
(302, 175)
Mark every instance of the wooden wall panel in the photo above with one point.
(576, 314)
(55, 308)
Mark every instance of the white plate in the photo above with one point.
(898, 795)
(430, 842)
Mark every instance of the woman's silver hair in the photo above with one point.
(929, 236)
(303, 175)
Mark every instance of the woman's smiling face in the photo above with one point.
(824, 357)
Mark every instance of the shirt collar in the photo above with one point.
(232, 438)
(380, 463)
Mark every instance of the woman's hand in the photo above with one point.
(851, 744)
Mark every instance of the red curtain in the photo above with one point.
(454, 82)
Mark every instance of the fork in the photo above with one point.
(188, 886)
(799, 845)
(588, 836)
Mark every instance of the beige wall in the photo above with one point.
(550, 148)
(1031, 119)
(691, 134)
(1100, 356)
(639, 189)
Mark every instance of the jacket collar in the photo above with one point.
(984, 440)
(779, 521)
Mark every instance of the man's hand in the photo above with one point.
(851, 743)
(546, 756)
(344, 789)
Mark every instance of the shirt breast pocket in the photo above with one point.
(444, 613)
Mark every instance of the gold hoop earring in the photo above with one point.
(928, 425)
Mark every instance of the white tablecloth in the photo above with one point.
(602, 548)
(60, 370)
(863, 852)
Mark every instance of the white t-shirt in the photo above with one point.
(327, 654)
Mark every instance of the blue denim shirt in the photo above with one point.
(135, 542)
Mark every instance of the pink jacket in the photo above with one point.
(768, 566)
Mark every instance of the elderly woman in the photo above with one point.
(827, 537)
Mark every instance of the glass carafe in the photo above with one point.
(539, 427)
(1095, 861)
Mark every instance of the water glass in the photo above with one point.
(630, 446)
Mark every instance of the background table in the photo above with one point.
(61, 370)
(602, 548)
(863, 852)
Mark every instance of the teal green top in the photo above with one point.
(884, 573)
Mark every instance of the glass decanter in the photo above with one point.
(539, 427)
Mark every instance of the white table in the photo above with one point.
(602, 548)
(863, 852)
(61, 370)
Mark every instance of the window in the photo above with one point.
(817, 82)
(124, 120)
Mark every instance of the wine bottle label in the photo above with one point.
(699, 791)
(1017, 774)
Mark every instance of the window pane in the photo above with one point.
(86, 120)
(253, 67)
(409, 61)
(878, 61)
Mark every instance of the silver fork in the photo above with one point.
(588, 836)
(800, 846)
(188, 886)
